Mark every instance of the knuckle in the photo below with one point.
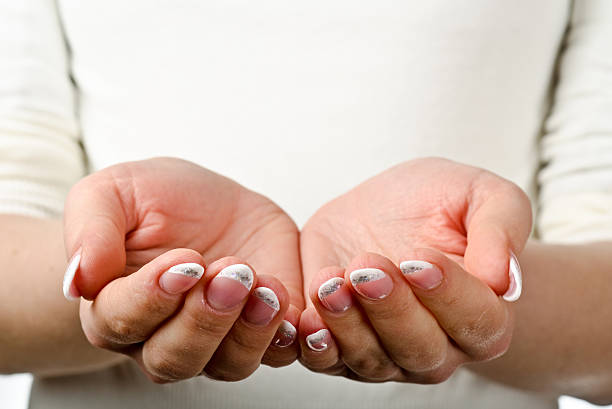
(244, 342)
(121, 329)
(427, 358)
(317, 365)
(227, 374)
(487, 336)
(202, 323)
(371, 368)
(167, 367)
(437, 376)
(157, 380)
(97, 340)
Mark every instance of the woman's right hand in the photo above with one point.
(121, 225)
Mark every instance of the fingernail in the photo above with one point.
(230, 287)
(285, 335)
(262, 306)
(334, 295)
(421, 274)
(515, 288)
(372, 283)
(180, 278)
(319, 341)
(70, 291)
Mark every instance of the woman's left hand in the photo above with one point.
(425, 250)
(416, 327)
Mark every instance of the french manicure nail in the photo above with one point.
(69, 288)
(230, 287)
(371, 283)
(421, 274)
(515, 288)
(319, 341)
(285, 335)
(262, 306)
(334, 295)
(180, 278)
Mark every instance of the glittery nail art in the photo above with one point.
(239, 272)
(318, 341)
(187, 269)
(412, 266)
(330, 286)
(285, 335)
(371, 283)
(365, 275)
(267, 296)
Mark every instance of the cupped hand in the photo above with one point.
(122, 224)
(406, 272)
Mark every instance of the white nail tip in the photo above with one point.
(365, 275)
(515, 288)
(239, 272)
(187, 269)
(287, 334)
(318, 341)
(329, 287)
(267, 296)
(67, 285)
(412, 266)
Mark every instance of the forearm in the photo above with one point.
(40, 331)
(563, 333)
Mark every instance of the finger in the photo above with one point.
(130, 308)
(409, 333)
(317, 253)
(319, 351)
(466, 308)
(360, 348)
(274, 250)
(283, 349)
(241, 351)
(184, 344)
(95, 224)
(498, 225)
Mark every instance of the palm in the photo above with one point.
(171, 203)
(421, 203)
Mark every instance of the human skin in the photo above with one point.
(430, 323)
(131, 222)
(420, 326)
(44, 334)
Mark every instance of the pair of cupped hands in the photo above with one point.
(403, 278)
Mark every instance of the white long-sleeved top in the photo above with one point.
(301, 101)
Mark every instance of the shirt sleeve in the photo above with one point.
(575, 197)
(40, 153)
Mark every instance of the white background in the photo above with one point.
(14, 394)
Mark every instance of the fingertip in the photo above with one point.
(487, 257)
(310, 321)
(372, 276)
(324, 275)
(229, 282)
(170, 274)
(69, 288)
(515, 288)
(101, 261)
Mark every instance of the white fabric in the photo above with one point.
(301, 101)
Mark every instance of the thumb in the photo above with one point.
(498, 226)
(94, 235)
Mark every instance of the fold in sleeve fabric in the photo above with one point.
(40, 154)
(575, 201)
